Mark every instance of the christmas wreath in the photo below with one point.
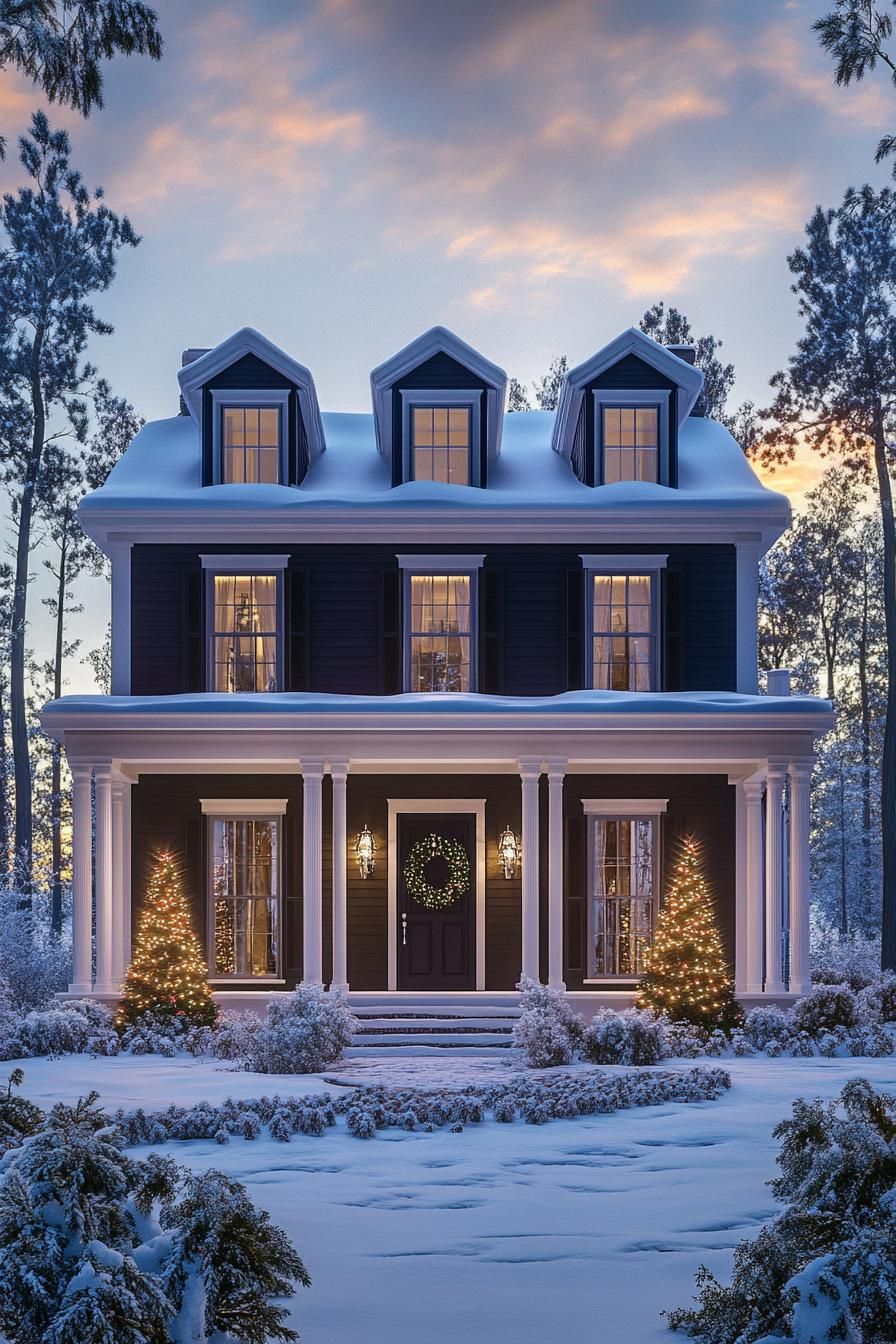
(437, 872)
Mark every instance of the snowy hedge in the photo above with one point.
(825, 1268)
(95, 1246)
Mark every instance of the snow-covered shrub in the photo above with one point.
(634, 1037)
(34, 965)
(825, 1007)
(763, 1025)
(360, 1123)
(75, 1026)
(877, 1002)
(153, 1034)
(303, 1032)
(18, 1116)
(84, 1260)
(547, 1031)
(854, 960)
(825, 1268)
(684, 1040)
(231, 1037)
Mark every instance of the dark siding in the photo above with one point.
(354, 611)
(491, 632)
(441, 371)
(630, 372)
(699, 805)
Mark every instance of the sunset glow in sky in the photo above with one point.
(532, 173)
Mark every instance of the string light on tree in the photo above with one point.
(687, 976)
(168, 973)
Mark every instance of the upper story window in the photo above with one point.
(440, 444)
(440, 625)
(631, 443)
(623, 622)
(250, 445)
(245, 622)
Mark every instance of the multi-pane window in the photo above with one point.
(244, 637)
(440, 444)
(623, 894)
(439, 632)
(623, 632)
(250, 445)
(630, 443)
(245, 863)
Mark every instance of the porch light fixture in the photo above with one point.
(508, 852)
(365, 851)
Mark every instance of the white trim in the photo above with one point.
(243, 807)
(234, 980)
(397, 806)
(624, 808)
(239, 398)
(194, 376)
(688, 379)
(440, 564)
(120, 624)
(658, 397)
(629, 564)
(435, 341)
(248, 564)
(408, 574)
(469, 397)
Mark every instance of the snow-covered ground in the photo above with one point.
(516, 1233)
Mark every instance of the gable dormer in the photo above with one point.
(619, 412)
(256, 409)
(438, 408)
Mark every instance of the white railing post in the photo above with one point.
(530, 773)
(312, 872)
(82, 878)
(103, 880)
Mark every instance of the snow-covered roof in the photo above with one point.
(156, 491)
(438, 340)
(686, 377)
(247, 341)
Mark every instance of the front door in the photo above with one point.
(436, 900)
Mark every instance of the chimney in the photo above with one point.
(186, 358)
(686, 352)
(778, 681)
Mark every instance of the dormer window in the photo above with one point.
(440, 444)
(250, 433)
(631, 437)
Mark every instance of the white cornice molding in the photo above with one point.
(193, 378)
(686, 377)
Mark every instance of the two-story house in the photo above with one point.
(423, 698)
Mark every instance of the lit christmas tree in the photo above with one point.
(687, 975)
(168, 973)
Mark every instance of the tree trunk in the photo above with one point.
(5, 813)
(20, 755)
(865, 710)
(56, 750)
(844, 904)
(888, 762)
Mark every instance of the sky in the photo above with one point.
(533, 174)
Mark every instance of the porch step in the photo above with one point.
(390, 1022)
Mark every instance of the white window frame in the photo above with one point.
(467, 566)
(632, 566)
(243, 809)
(252, 566)
(470, 397)
(622, 809)
(248, 399)
(640, 399)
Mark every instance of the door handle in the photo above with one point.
(404, 929)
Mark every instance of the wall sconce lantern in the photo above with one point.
(508, 852)
(365, 851)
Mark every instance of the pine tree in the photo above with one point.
(168, 973)
(687, 976)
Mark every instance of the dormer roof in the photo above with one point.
(438, 340)
(687, 378)
(193, 377)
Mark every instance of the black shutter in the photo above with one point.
(291, 950)
(575, 632)
(390, 633)
(194, 877)
(671, 631)
(298, 644)
(293, 474)
(575, 904)
(208, 411)
(194, 631)
(491, 632)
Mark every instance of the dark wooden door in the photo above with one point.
(436, 946)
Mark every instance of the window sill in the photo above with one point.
(619, 980)
(247, 980)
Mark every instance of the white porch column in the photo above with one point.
(800, 772)
(754, 924)
(774, 855)
(530, 773)
(338, 773)
(103, 880)
(312, 873)
(120, 554)
(82, 879)
(556, 771)
(747, 609)
(121, 861)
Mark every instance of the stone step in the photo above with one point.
(470, 1012)
(421, 1022)
(441, 1040)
